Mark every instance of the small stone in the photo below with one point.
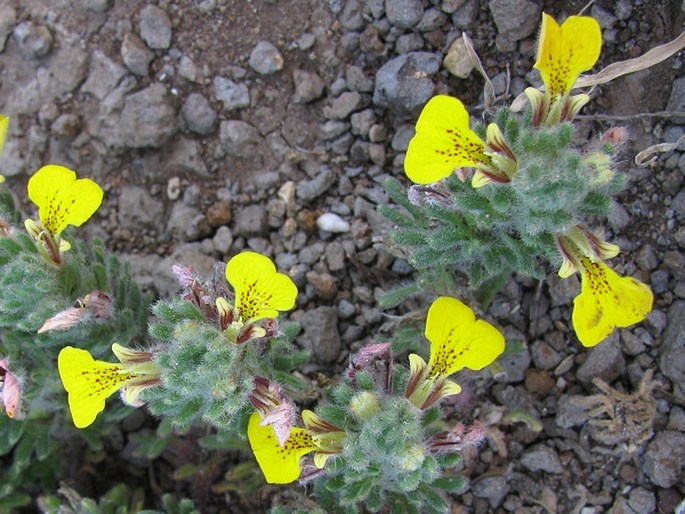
(148, 118)
(672, 349)
(66, 126)
(320, 333)
(131, 216)
(308, 86)
(457, 60)
(515, 19)
(188, 69)
(250, 221)
(233, 95)
(538, 382)
(265, 58)
(34, 40)
(544, 356)
(187, 223)
(357, 80)
(223, 240)
(571, 411)
(136, 56)
(8, 17)
(219, 213)
(155, 27)
(325, 285)
(641, 500)
(335, 256)
(404, 13)
(333, 223)
(344, 105)
(494, 489)
(542, 458)
(513, 365)
(308, 190)
(664, 459)
(403, 84)
(604, 361)
(104, 75)
(464, 17)
(408, 43)
(197, 114)
(432, 19)
(351, 17)
(646, 258)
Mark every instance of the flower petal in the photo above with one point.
(88, 382)
(280, 465)
(443, 142)
(565, 51)
(4, 123)
(62, 199)
(260, 291)
(458, 340)
(606, 301)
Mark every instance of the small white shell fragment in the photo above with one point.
(173, 188)
(332, 223)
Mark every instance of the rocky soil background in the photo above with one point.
(221, 125)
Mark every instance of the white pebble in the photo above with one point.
(332, 223)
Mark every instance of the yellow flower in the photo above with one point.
(564, 52)
(606, 299)
(281, 463)
(4, 122)
(89, 382)
(62, 199)
(260, 291)
(444, 141)
(458, 341)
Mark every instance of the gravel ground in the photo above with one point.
(221, 125)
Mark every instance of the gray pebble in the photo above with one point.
(346, 309)
(198, 115)
(131, 198)
(464, 17)
(672, 349)
(265, 58)
(231, 94)
(604, 361)
(515, 19)
(155, 27)
(408, 43)
(104, 75)
(8, 17)
(308, 190)
(251, 220)
(641, 500)
(664, 459)
(34, 40)
(494, 489)
(136, 56)
(404, 13)
(544, 356)
(344, 105)
(659, 281)
(320, 333)
(223, 240)
(308, 86)
(148, 118)
(187, 223)
(542, 458)
(357, 80)
(351, 17)
(403, 84)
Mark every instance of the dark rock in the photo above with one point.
(672, 349)
(8, 17)
(250, 221)
(403, 84)
(104, 75)
(320, 333)
(604, 361)
(664, 459)
(515, 19)
(542, 458)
